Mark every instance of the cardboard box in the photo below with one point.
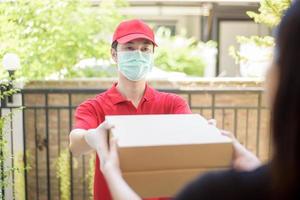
(165, 183)
(160, 153)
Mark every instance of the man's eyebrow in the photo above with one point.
(147, 42)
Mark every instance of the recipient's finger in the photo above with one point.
(113, 143)
(102, 158)
(227, 134)
(212, 122)
(238, 148)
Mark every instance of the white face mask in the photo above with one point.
(135, 65)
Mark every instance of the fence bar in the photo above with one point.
(58, 142)
(223, 118)
(258, 123)
(235, 122)
(24, 146)
(253, 90)
(71, 157)
(190, 100)
(247, 131)
(36, 154)
(213, 102)
(47, 150)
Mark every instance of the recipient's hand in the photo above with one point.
(110, 158)
(98, 140)
(243, 159)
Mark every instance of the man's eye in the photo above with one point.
(129, 48)
(146, 49)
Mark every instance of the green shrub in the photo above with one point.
(266, 41)
(51, 36)
(90, 176)
(63, 173)
(179, 53)
(270, 12)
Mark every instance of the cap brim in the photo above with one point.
(134, 36)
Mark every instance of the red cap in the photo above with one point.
(133, 29)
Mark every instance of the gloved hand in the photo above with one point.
(96, 137)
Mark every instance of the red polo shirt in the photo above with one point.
(92, 112)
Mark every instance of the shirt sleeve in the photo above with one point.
(86, 116)
(180, 106)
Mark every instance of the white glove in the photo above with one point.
(97, 139)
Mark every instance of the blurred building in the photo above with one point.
(218, 20)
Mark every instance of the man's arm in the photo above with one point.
(180, 106)
(83, 141)
(86, 122)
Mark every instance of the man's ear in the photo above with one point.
(114, 54)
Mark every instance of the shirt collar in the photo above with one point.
(116, 97)
(149, 93)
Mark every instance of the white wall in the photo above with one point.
(227, 35)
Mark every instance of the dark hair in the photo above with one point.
(114, 45)
(285, 118)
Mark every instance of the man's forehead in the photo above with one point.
(138, 41)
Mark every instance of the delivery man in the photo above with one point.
(132, 49)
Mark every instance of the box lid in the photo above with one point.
(156, 142)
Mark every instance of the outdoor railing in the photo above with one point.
(48, 117)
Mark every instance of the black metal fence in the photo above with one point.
(48, 116)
